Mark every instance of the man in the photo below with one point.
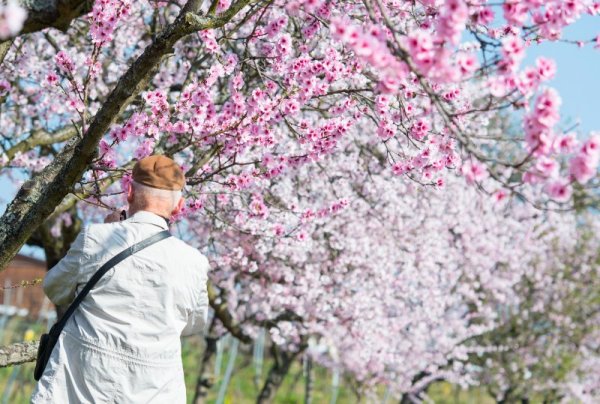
(122, 344)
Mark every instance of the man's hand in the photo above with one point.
(113, 217)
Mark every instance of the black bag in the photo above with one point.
(48, 341)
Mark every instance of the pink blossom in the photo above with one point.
(531, 177)
(12, 17)
(566, 143)
(339, 205)
(513, 50)
(400, 168)
(365, 46)
(64, 63)
(223, 5)
(180, 127)
(583, 167)
(210, 41)
(485, 16)
(278, 230)
(474, 171)
(302, 236)
(104, 147)
(284, 45)
(539, 123)
(547, 167)
(51, 79)
(500, 195)
(591, 147)
(559, 190)
(5, 87)
(546, 68)
(276, 25)
(291, 107)
(385, 130)
(125, 182)
(547, 106)
(467, 63)
(419, 129)
(222, 198)
(104, 18)
(144, 149)
(515, 12)
(420, 46)
(391, 84)
(342, 29)
(258, 208)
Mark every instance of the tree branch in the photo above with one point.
(223, 314)
(41, 138)
(57, 14)
(38, 197)
(18, 353)
(4, 47)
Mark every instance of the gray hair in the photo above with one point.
(154, 193)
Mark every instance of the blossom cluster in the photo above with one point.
(12, 17)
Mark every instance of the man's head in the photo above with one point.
(156, 186)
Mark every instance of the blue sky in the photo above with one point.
(576, 80)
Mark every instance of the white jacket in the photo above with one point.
(122, 344)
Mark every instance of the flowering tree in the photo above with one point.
(231, 88)
(545, 345)
(388, 281)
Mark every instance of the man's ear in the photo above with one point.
(179, 206)
(130, 194)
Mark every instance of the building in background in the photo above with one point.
(17, 294)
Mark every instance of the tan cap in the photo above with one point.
(160, 172)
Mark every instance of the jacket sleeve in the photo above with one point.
(198, 313)
(60, 282)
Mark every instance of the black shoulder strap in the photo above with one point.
(58, 327)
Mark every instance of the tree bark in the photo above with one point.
(43, 14)
(20, 352)
(283, 361)
(57, 14)
(41, 138)
(206, 378)
(223, 314)
(4, 48)
(308, 385)
(38, 196)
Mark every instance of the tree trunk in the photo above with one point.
(308, 385)
(277, 373)
(206, 377)
(405, 399)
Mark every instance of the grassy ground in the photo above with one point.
(16, 383)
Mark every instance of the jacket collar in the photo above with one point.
(144, 216)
